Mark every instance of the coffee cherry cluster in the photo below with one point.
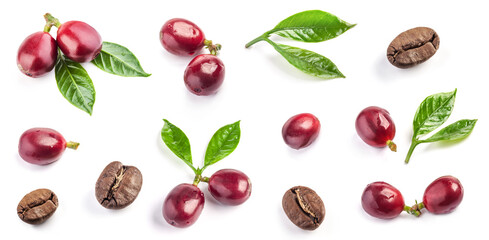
(38, 52)
(382, 200)
(204, 75)
(184, 203)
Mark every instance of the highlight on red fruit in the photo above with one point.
(443, 195)
(181, 37)
(204, 75)
(375, 127)
(382, 200)
(43, 146)
(79, 41)
(183, 205)
(301, 130)
(230, 186)
(37, 54)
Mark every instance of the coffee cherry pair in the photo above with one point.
(382, 200)
(43, 146)
(375, 127)
(204, 75)
(301, 130)
(184, 204)
(38, 52)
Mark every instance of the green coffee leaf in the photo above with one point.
(308, 26)
(74, 83)
(309, 62)
(176, 140)
(223, 143)
(118, 60)
(433, 112)
(311, 26)
(455, 131)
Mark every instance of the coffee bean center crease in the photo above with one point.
(115, 185)
(305, 206)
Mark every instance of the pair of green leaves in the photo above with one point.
(431, 114)
(76, 85)
(308, 26)
(222, 143)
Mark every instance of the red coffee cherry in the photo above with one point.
(43, 146)
(183, 205)
(443, 195)
(230, 187)
(301, 130)
(375, 127)
(37, 54)
(181, 37)
(382, 200)
(79, 41)
(204, 75)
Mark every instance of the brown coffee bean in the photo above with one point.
(37, 206)
(303, 207)
(413, 47)
(118, 185)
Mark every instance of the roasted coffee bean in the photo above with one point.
(303, 207)
(413, 47)
(118, 185)
(37, 206)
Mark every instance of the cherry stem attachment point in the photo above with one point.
(50, 22)
(72, 145)
(392, 146)
(415, 210)
(213, 48)
(198, 179)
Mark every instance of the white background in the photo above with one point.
(262, 90)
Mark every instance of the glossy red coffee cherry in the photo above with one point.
(204, 75)
(382, 200)
(43, 146)
(443, 195)
(301, 130)
(79, 41)
(183, 205)
(37, 54)
(375, 127)
(181, 37)
(230, 187)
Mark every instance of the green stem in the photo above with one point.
(72, 145)
(414, 143)
(197, 180)
(258, 39)
(415, 210)
(50, 21)
(271, 42)
(205, 179)
(392, 146)
(213, 48)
